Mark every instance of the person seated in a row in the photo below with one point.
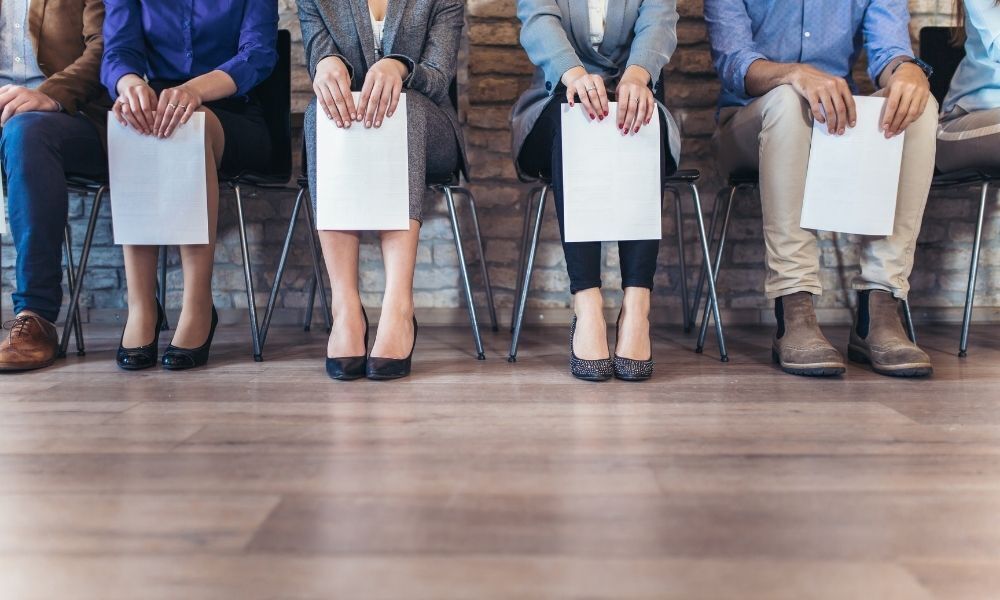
(382, 49)
(969, 134)
(163, 62)
(587, 51)
(784, 63)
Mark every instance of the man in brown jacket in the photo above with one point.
(50, 61)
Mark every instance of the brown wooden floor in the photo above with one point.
(489, 480)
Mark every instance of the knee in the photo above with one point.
(785, 106)
(24, 133)
(215, 137)
(926, 124)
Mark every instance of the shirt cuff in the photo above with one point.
(242, 73)
(115, 74)
(740, 67)
(876, 68)
(411, 66)
(557, 68)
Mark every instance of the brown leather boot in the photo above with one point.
(32, 344)
(878, 338)
(799, 345)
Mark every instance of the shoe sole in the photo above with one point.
(28, 367)
(633, 379)
(906, 370)
(386, 377)
(593, 378)
(124, 368)
(809, 370)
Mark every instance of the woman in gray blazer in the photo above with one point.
(587, 51)
(382, 48)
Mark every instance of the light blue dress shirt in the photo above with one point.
(976, 84)
(826, 34)
(18, 60)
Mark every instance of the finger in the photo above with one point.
(329, 104)
(830, 111)
(344, 87)
(852, 106)
(584, 96)
(9, 110)
(131, 118)
(138, 112)
(366, 92)
(841, 110)
(28, 106)
(116, 110)
(650, 108)
(602, 96)
(372, 107)
(640, 111)
(166, 118)
(624, 99)
(594, 101)
(631, 109)
(570, 95)
(383, 105)
(176, 115)
(889, 110)
(899, 122)
(816, 107)
(147, 104)
(161, 109)
(189, 112)
(340, 106)
(396, 92)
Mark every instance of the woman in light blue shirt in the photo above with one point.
(969, 135)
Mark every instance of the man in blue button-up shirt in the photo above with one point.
(784, 63)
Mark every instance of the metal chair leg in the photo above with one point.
(682, 262)
(970, 291)
(248, 276)
(464, 270)
(72, 312)
(71, 285)
(162, 289)
(712, 302)
(272, 299)
(490, 305)
(529, 265)
(522, 256)
(310, 305)
(317, 260)
(911, 332)
(700, 287)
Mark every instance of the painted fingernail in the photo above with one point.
(636, 130)
(606, 113)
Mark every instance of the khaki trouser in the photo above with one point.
(969, 140)
(772, 135)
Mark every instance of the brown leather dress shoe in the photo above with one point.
(799, 346)
(878, 338)
(32, 344)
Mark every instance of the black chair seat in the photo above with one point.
(441, 180)
(963, 177)
(83, 181)
(685, 176)
(744, 178)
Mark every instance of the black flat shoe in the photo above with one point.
(143, 357)
(349, 368)
(629, 369)
(587, 370)
(382, 369)
(179, 359)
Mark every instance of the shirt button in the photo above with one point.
(17, 59)
(17, 25)
(807, 34)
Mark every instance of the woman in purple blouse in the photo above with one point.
(165, 60)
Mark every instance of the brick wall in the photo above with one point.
(497, 70)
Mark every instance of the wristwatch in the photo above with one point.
(926, 68)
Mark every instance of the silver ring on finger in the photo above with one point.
(591, 89)
(182, 106)
(171, 105)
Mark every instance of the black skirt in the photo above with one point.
(248, 142)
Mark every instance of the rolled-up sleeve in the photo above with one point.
(124, 43)
(655, 37)
(545, 40)
(887, 34)
(257, 54)
(731, 38)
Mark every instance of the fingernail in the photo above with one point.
(593, 116)
(368, 123)
(636, 130)
(378, 123)
(606, 113)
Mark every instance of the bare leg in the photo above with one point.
(140, 279)
(633, 333)
(340, 252)
(591, 339)
(198, 260)
(395, 328)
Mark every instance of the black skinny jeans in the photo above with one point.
(542, 153)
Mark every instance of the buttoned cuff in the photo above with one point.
(242, 73)
(557, 68)
(115, 74)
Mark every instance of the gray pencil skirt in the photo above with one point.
(433, 147)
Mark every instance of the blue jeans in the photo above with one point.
(39, 149)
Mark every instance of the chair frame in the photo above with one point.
(529, 247)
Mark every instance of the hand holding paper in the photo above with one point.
(853, 179)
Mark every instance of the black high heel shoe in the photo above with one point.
(629, 369)
(179, 359)
(381, 369)
(142, 357)
(587, 370)
(349, 368)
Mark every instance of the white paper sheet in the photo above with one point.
(611, 182)
(3, 211)
(362, 175)
(853, 179)
(158, 191)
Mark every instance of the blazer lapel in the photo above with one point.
(36, 10)
(363, 23)
(614, 27)
(579, 18)
(393, 17)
